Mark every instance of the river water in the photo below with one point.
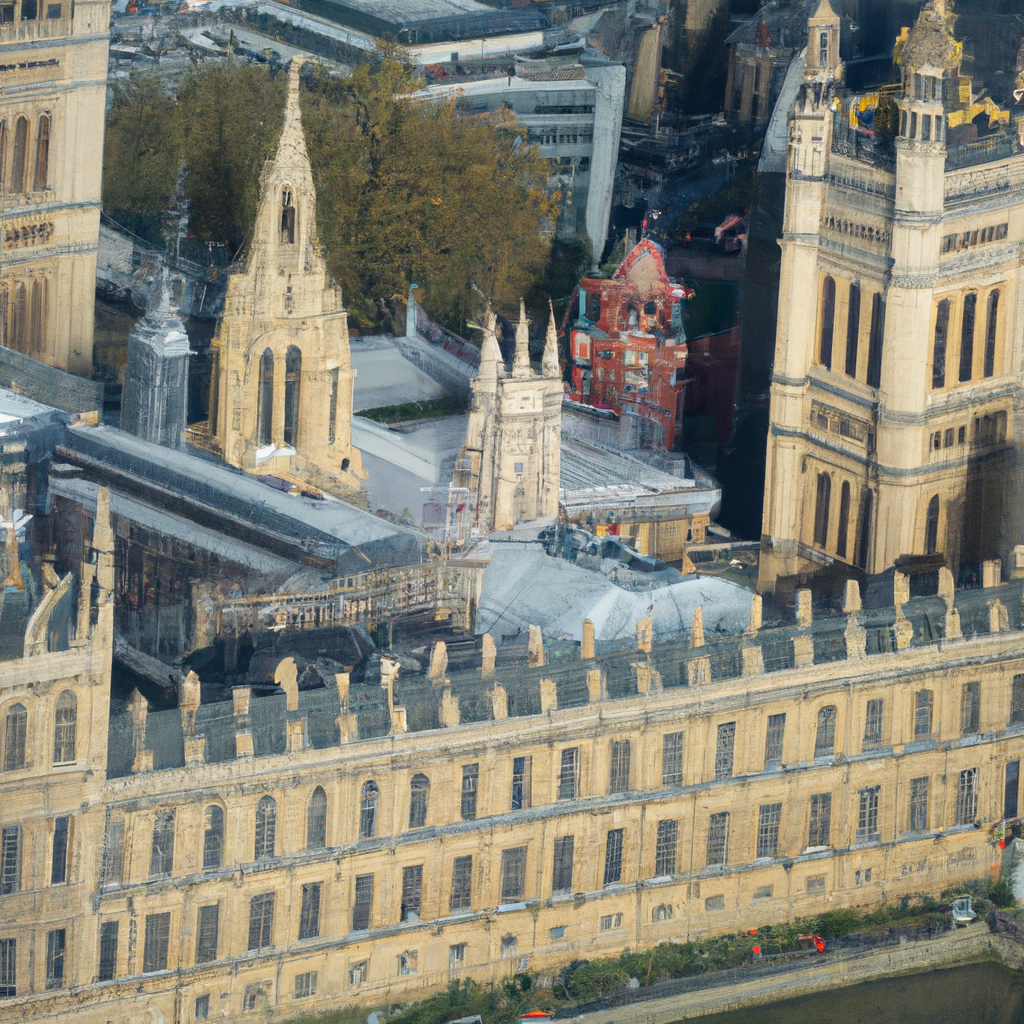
(982, 993)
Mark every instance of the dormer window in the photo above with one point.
(287, 218)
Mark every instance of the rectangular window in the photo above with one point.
(55, 947)
(613, 856)
(718, 838)
(161, 855)
(10, 859)
(108, 951)
(816, 883)
(8, 968)
(470, 783)
(561, 878)
(202, 1007)
(665, 852)
(773, 741)
(363, 903)
(672, 759)
(1011, 789)
(208, 933)
(820, 832)
(409, 962)
(1017, 701)
(158, 938)
(867, 817)
(923, 713)
(59, 867)
(618, 779)
(261, 921)
(967, 797)
(724, 747)
(569, 775)
(509, 947)
(918, 821)
(357, 973)
(522, 783)
(609, 922)
(305, 985)
(873, 723)
(309, 914)
(457, 955)
(768, 830)
(251, 995)
(513, 874)
(970, 709)
(412, 892)
(113, 852)
(462, 884)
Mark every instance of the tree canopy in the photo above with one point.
(407, 191)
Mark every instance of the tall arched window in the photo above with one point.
(368, 811)
(37, 318)
(990, 334)
(3, 155)
(19, 321)
(292, 388)
(316, 820)
(825, 737)
(828, 322)
(42, 154)
(15, 734)
(213, 838)
(19, 165)
(844, 519)
(419, 790)
(939, 347)
(266, 827)
(287, 217)
(867, 500)
(5, 340)
(931, 527)
(967, 336)
(265, 399)
(853, 331)
(821, 509)
(64, 723)
(876, 340)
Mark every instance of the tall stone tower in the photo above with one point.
(281, 400)
(52, 104)
(512, 453)
(895, 402)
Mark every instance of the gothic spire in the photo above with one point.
(521, 361)
(490, 352)
(550, 366)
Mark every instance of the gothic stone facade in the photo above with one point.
(895, 402)
(53, 60)
(281, 399)
(282, 853)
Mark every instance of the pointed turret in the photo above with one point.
(490, 353)
(521, 360)
(550, 366)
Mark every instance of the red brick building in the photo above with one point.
(627, 349)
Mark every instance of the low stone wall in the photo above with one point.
(838, 970)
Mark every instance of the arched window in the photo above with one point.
(853, 331)
(213, 838)
(3, 155)
(4, 337)
(14, 738)
(990, 334)
(825, 737)
(368, 811)
(967, 336)
(19, 166)
(867, 500)
(939, 347)
(42, 154)
(828, 322)
(64, 722)
(316, 820)
(287, 218)
(931, 527)
(265, 400)
(266, 827)
(875, 341)
(37, 319)
(844, 519)
(419, 791)
(19, 322)
(821, 509)
(292, 386)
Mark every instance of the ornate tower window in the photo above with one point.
(967, 336)
(828, 319)
(42, 153)
(265, 402)
(990, 333)
(287, 218)
(939, 348)
(19, 168)
(292, 388)
(931, 526)
(821, 509)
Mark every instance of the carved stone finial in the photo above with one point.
(521, 360)
(587, 643)
(549, 365)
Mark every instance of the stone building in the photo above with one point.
(53, 58)
(281, 397)
(895, 401)
(511, 457)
